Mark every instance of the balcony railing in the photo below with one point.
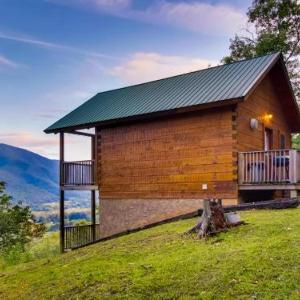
(269, 167)
(80, 235)
(78, 173)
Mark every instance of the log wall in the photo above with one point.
(150, 171)
(264, 100)
(169, 159)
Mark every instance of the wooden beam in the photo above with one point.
(257, 187)
(93, 214)
(94, 158)
(79, 188)
(62, 221)
(241, 167)
(81, 133)
(61, 155)
(93, 192)
(62, 195)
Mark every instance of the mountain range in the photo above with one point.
(29, 177)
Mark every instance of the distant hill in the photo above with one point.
(30, 178)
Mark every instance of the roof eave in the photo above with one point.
(279, 58)
(148, 116)
(255, 84)
(296, 129)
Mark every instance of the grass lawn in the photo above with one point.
(260, 260)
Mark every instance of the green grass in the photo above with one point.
(46, 247)
(260, 260)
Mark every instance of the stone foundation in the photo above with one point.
(117, 216)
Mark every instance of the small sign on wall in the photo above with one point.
(204, 186)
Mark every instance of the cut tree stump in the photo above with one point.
(212, 220)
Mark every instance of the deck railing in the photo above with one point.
(272, 166)
(80, 235)
(78, 173)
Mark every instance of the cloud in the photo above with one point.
(27, 140)
(200, 17)
(50, 113)
(108, 5)
(5, 62)
(53, 46)
(46, 145)
(208, 19)
(141, 67)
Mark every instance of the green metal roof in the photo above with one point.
(214, 84)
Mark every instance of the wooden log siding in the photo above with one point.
(169, 158)
(172, 158)
(264, 100)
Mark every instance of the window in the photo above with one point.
(282, 141)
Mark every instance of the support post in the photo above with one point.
(62, 194)
(293, 166)
(241, 168)
(93, 214)
(62, 221)
(94, 158)
(93, 192)
(293, 194)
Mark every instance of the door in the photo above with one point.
(268, 158)
(268, 139)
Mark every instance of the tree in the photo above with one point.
(296, 141)
(17, 224)
(275, 27)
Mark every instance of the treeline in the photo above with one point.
(73, 218)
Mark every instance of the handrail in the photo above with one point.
(272, 150)
(80, 235)
(78, 173)
(80, 225)
(78, 161)
(268, 167)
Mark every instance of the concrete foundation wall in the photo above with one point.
(117, 216)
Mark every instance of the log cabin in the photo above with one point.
(159, 148)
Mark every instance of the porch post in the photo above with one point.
(293, 166)
(293, 194)
(93, 156)
(62, 194)
(241, 167)
(93, 192)
(93, 213)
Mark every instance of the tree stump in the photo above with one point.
(212, 220)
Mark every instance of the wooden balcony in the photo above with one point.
(78, 175)
(269, 168)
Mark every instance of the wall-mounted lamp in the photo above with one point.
(254, 124)
(267, 118)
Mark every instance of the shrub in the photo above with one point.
(17, 226)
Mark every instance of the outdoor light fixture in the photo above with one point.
(253, 123)
(267, 118)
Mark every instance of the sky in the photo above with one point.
(56, 54)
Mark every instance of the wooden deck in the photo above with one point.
(273, 169)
